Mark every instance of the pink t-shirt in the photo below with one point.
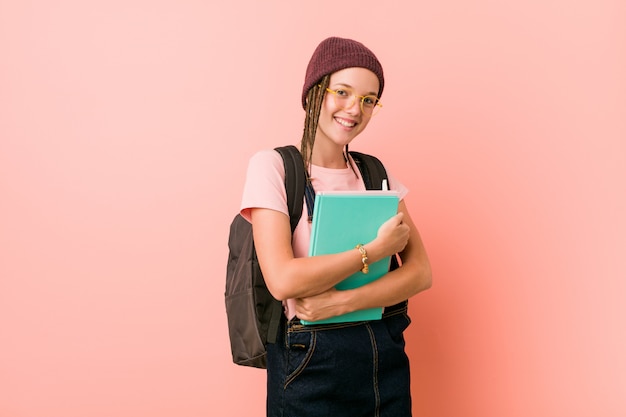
(265, 188)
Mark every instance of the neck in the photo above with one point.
(334, 159)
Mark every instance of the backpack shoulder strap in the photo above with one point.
(295, 180)
(372, 170)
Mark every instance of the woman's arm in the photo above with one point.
(290, 277)
(412, 277)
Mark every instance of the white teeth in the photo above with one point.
(344, 123)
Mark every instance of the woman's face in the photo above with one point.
(340, 125)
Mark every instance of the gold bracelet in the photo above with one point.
(366, 267)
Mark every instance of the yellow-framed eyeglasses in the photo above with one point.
(344, 98)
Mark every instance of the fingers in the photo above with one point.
(402, 232)
(394, 234)
(398, 219)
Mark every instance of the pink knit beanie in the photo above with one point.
(334, 54)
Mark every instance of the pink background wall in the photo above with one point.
(125, 130)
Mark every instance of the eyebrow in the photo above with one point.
(371, 93)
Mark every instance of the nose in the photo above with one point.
(354, 107)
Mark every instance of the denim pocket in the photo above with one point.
(397, 324)
(300, 349)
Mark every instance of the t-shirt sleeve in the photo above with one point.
(396, 185)
(265, 184)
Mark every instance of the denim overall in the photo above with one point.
(340, 370)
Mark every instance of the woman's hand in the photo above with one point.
(330, 303)
(393, 236)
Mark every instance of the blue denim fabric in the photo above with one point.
(340, 370)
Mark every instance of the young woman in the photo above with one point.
(351, 369)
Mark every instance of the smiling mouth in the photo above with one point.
(345, 123)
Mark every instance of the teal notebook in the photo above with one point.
(341, 220)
